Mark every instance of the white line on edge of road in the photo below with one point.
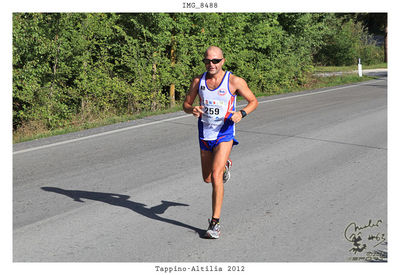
(174, 118)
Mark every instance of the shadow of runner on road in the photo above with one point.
(122, 201)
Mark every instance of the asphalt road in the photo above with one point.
(309, 175)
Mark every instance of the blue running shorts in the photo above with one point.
(209, 145)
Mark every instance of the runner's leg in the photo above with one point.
(221, 155)
(206, 164)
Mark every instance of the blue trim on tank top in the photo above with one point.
(229, 90)
(198, 88)
(205, 80)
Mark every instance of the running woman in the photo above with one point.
(217, 115)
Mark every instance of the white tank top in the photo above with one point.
(215, 122)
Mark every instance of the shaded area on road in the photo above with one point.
(122, 201)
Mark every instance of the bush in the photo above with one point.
(347, 42)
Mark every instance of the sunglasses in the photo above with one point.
(214, 61)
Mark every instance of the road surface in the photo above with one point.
(309, 175)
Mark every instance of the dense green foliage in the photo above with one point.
(72, 67)
(345, 43)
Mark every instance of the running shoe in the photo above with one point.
(213, 231)
(227, 171)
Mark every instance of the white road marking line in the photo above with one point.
(98, 135)
(175, 118)
(315, 93)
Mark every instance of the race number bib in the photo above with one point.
(214, 112)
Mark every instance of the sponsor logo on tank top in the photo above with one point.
(222, 92)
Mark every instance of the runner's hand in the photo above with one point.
(236, 116)
(197, 111)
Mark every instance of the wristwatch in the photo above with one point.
(243, 112)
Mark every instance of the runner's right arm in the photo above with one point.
(190, 97)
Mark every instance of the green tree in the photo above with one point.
(76, 67)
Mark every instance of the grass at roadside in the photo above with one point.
(315, 83)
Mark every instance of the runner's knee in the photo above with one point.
(217, 175)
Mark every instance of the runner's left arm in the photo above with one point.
(243, 90)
